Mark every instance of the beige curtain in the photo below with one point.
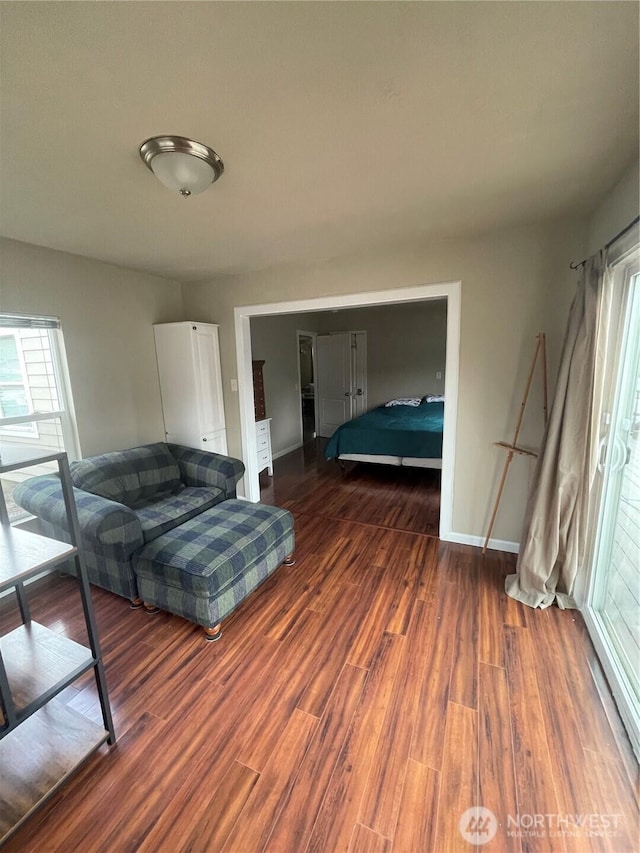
(555, 525)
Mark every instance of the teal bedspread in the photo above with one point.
(392, 431)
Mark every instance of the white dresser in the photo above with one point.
(191, 385)
(263, 442)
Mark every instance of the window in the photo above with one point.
(36, 409)
(14, 389)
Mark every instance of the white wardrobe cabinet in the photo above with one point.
(188, 356)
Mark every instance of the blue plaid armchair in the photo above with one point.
(128, 498)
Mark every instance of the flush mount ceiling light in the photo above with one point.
(181, 164)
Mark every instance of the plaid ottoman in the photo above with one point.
(204, 568)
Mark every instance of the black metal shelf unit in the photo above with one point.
(42, 740)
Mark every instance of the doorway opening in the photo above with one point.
(451, 291)
(612, 606)
(307, 370)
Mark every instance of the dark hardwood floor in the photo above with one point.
(386, 496)
(360, 700)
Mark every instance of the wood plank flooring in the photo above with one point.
(361, 700)
(381, 495)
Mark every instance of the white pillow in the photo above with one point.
(405, 401)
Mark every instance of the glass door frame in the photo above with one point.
(607, 499)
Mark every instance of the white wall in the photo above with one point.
(514, 283)
(616, 210)
(107, 314)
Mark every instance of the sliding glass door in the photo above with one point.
(612, 609)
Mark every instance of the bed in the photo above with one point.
(392, 435)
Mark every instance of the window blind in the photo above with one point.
(24, 321)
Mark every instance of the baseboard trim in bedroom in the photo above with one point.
(287, 450)
(478, 542)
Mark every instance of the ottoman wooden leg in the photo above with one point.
(135, 603)
(151, 608)
(213, 634)
(289, 561)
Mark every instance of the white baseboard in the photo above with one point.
(478, 542)
(287, 450)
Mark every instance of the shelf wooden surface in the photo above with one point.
(37, 758)
(36, 658)
(24, 554)
(14, 456)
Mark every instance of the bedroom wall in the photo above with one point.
(508, 280)
(274, 340)
(405, 348)
(107, 314)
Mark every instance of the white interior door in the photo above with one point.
(341, 379)
(334, 382)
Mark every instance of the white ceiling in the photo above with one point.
(342, 125)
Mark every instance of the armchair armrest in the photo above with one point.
(106, 522)
(201, 468)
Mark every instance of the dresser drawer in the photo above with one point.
(263, 445)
